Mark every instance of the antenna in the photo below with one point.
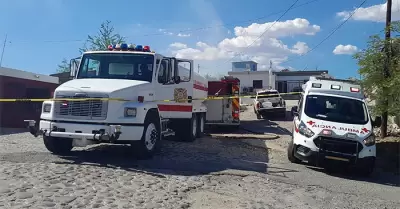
(2, 53)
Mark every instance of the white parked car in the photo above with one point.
(267, 102)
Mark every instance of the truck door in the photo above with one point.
(174, 83)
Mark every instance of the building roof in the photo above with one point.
(299, 73)
(246, 62)
(9, 72)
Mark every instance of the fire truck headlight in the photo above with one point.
(130, 112)
(369, 141)
(46, 108)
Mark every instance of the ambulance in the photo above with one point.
(127, 94)
(333, 124)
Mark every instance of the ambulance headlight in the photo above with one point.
(130, 112)
(369, 141)
(46, 108)
(303, 130)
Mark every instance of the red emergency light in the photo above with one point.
(352, 89)
(146, 48)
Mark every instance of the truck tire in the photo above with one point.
(147, 146)
(290, 153)
(201, 120)
(58, 146)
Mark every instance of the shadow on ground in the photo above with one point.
(264, 126)
(386, 168)
(204, 156)
(9, 131)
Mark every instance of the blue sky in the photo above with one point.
(43, 32)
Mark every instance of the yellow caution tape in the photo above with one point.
(125, 100)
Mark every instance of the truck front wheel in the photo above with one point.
(57, 146)
(147, 146)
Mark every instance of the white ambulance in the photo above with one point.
(332, 123)
(161, 96)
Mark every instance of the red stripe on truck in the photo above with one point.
(200, 86)
(175, 108)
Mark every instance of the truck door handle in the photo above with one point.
(189, 99)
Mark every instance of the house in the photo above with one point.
(17, 84)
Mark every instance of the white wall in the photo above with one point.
(247, 78)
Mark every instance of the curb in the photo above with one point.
(245, 136)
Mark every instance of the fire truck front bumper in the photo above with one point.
(86, 131)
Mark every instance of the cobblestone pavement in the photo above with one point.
(208, 173)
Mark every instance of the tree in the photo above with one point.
(63, 66)
(105, 37)
(371, 61)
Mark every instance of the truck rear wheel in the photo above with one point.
(150, 141)
(57, 146)
(200, 124)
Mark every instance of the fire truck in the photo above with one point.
(127, 94)
(224, 111)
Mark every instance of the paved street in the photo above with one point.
(209, 173)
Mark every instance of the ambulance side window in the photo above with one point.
(165, 73)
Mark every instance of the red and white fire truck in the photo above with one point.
(129, 94)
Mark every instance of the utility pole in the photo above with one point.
(198, 68)
(2, 52)
(270, 74)
(386, 72)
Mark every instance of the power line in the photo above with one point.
(186, 30)
(266, 30)
(327, 37)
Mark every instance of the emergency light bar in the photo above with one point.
(336, 87)
(130, 47)
(353, 89)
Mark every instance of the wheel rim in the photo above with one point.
(194, 125)
(201, 124)
(150, 137)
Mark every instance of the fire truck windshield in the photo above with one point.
(117, 66)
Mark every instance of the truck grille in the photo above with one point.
(88, 109)
(338, 145)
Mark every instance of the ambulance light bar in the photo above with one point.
(316, 85)
(336, 87)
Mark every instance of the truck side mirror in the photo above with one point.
(177, 79)
(73, 67)
(295, 111)
(377, 122)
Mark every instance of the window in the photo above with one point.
(184, 70)
(336, 109)
(257, 84)
(165, 75)
(117, 66)
(268, 94)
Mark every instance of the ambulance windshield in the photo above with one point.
(117, 66)
(336, 109)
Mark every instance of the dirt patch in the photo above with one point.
(246, 136)
(388, 154)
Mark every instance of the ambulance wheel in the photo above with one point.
(58, 146)
(200, 124)
(290, 153)
(147, 146)
(366, 167)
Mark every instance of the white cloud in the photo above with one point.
(177, 45)
(375, 13)
(183, 35)
(345, 49)
(267, 48)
